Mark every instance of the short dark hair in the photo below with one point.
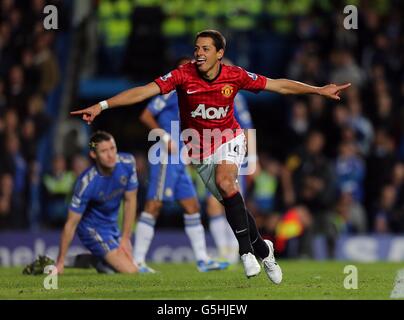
(218, 39)
(97, 137)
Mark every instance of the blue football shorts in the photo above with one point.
(169, 182)
(99, 240)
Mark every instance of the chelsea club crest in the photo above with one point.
(123, 180)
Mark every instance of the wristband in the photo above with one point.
(104, 105)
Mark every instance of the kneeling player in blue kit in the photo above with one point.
(95, 204)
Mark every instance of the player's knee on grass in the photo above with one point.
(153, 207)
(120, 262)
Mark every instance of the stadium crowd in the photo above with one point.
(330, 168)
(29, 72)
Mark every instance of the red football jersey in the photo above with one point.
(209, 105)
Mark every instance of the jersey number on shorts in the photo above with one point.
(235, 149)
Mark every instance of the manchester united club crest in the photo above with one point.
(227, 90)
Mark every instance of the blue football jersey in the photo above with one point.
(98, 197)
(165, 110)
(241, 112)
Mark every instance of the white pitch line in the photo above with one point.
(398, 290)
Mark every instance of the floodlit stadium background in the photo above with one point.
(102, 47)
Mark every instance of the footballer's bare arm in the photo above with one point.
(125, 98)
(286, 86)
(69, 229)
(130, 204)
(150, 121)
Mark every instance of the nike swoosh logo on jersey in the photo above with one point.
(191, 92)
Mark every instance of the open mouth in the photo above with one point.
(200, 61)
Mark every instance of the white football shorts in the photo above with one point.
(232, 151)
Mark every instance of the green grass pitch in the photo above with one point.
(302, 280)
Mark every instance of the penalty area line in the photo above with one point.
(398, 290)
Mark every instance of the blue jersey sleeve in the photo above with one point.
(133, 181)
(81, 194)
(242, 113)
(127, 166)
(156, 105)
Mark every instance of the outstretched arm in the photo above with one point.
(285, 86)
(73, 220)
(125, 98)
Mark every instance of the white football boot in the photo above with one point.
(251, 265)
(144, 268)
(272, 269)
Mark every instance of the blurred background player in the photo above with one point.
(168, 182)
(94, 208)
